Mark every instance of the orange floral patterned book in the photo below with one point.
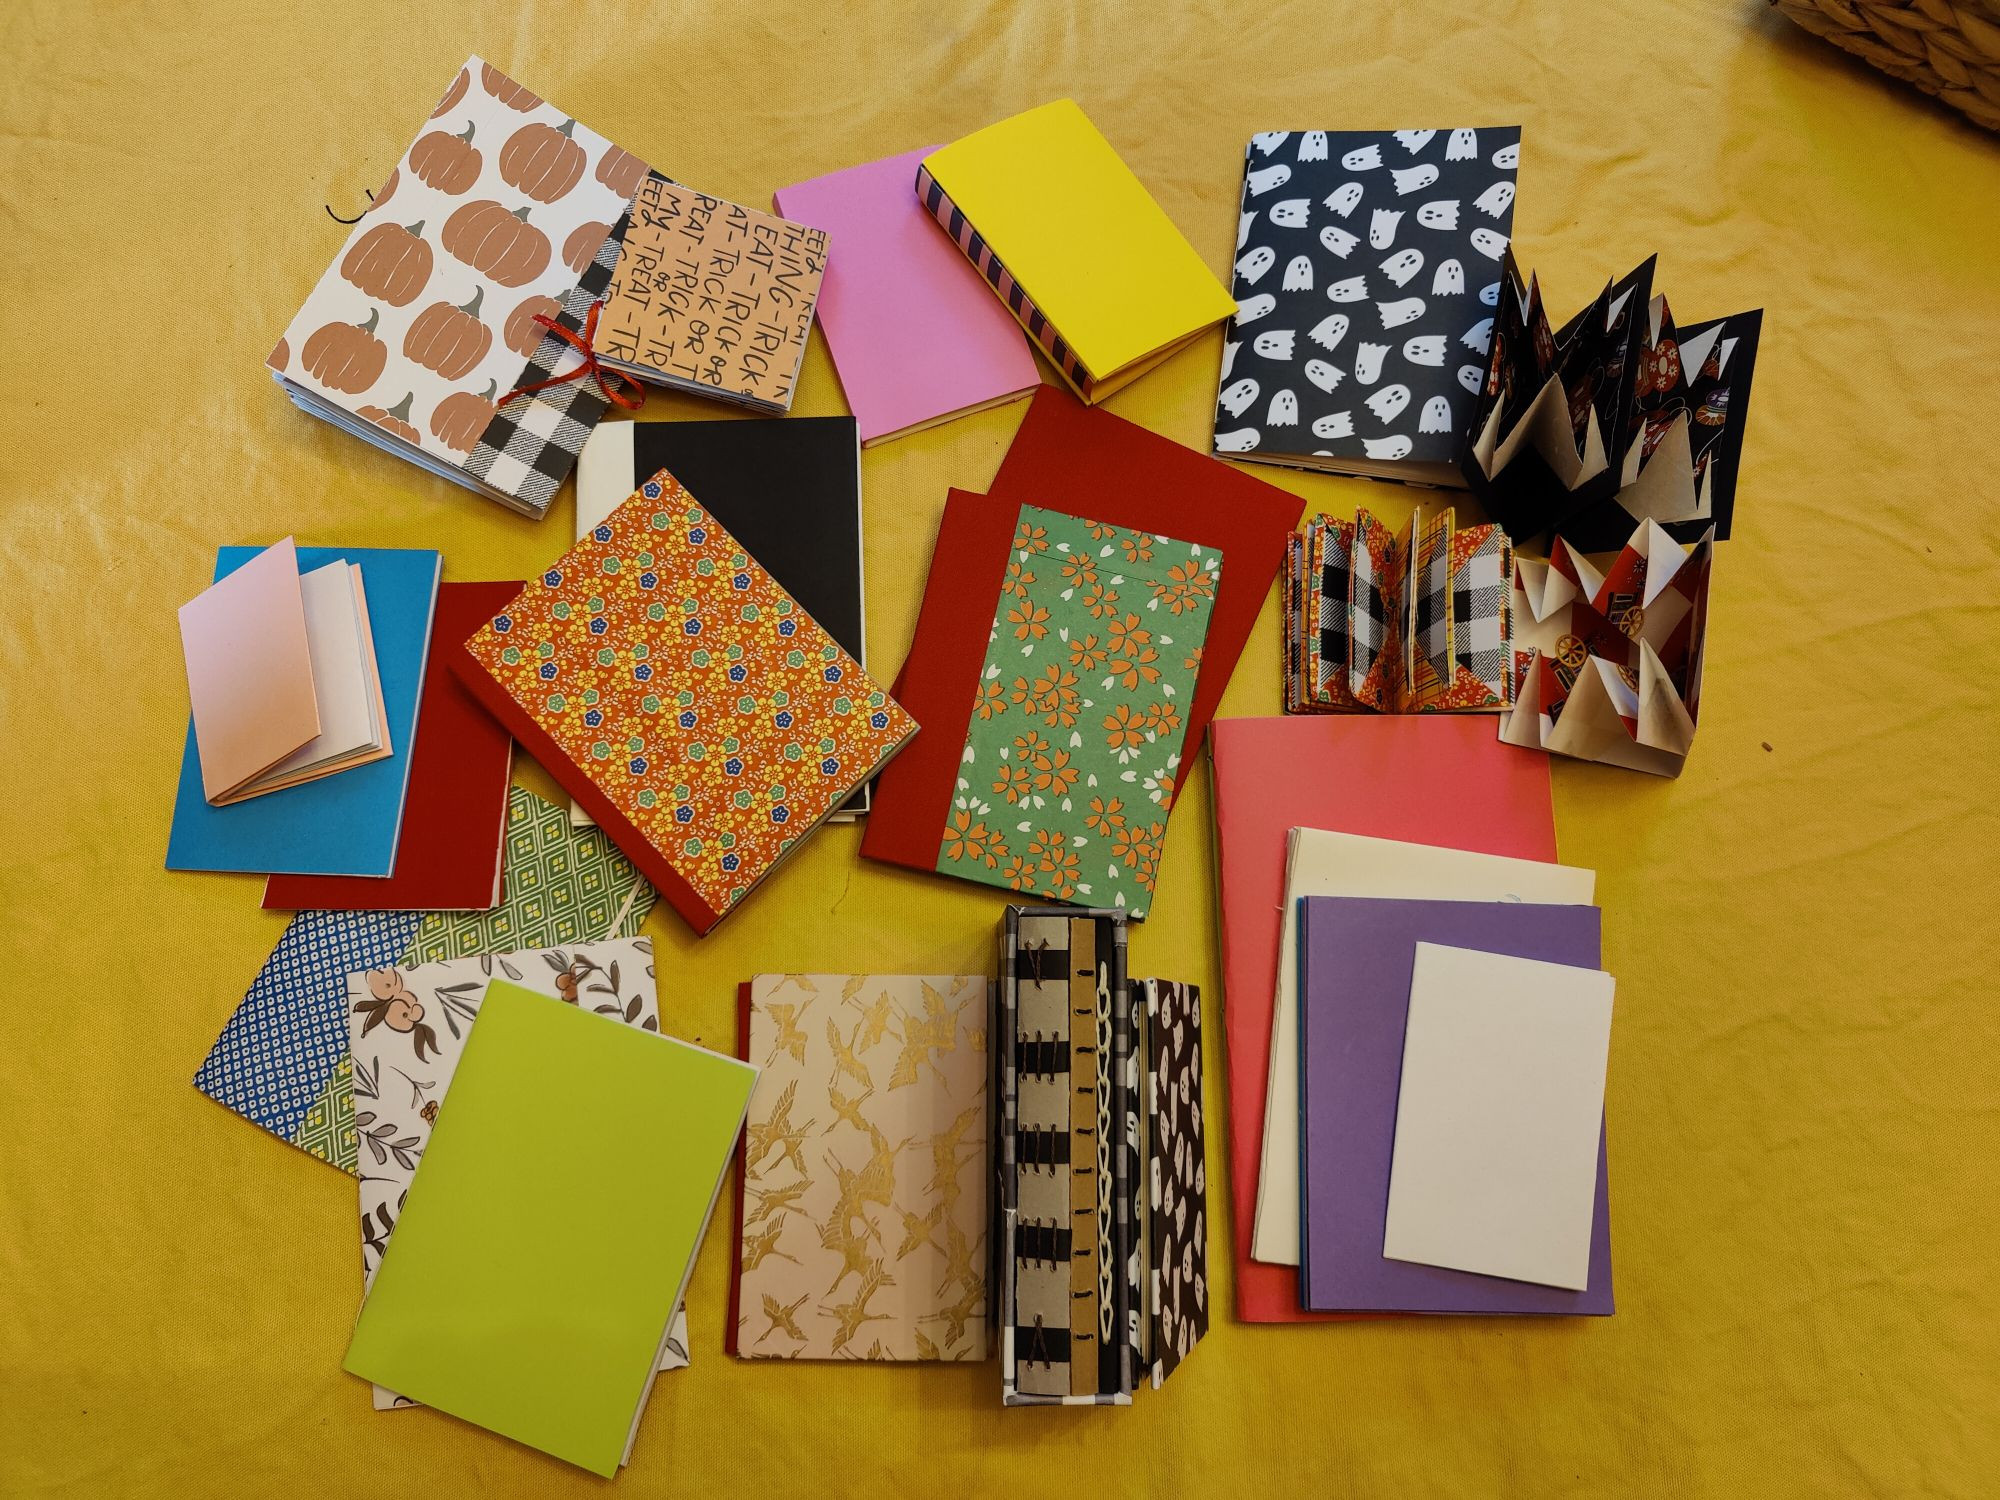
(693, 708)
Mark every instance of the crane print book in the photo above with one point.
(503, 209)
(704, 720)
(863, 1207)
(1367, 272)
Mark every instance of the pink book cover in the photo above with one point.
(916, 336)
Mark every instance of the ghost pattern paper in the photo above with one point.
(1367, 270)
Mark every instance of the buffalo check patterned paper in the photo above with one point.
(1416, 621)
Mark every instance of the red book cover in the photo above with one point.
(742, 1157)
(1436, 779)
(455, 817)
(1084, 461)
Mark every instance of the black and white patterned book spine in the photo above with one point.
(1367, 271)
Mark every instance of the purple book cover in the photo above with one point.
(1355, 963)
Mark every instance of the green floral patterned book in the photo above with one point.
(1073, 754)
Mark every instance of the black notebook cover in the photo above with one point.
(1367, 273)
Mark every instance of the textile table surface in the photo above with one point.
(1803, 1107)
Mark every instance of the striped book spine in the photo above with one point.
(976, 250)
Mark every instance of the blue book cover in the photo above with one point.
(347, 823)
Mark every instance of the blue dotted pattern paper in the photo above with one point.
(283, 1043)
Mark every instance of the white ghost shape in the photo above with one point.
(1330, 330)
(1463, 146)
(1229, 357)
(1291, 214)
(1388, 447)
(1338, 425)
(1353, 289)
(1436, 416)
(1490, 294)
(1382, 227)
(1240, 441)
(1299, 274)
(1404, 264)
(1243, 223)
(1253, 266)
(1493, 202)
(1389, 403)
(1274, 343)
(1488, 243)
(1338, 240)
(1343, 198)
(1267, 141)
(1439, 213)
(1322, 374)
(1250, 309)
(1414, 179)
(1368, 361)
(1479, 336)
(1396, 314)
(1508, 157)
(1471, 377)
(1414, 141)
(1237, 398)
(1264, 179)
(1362, 159)
(1449, 280)
(1284, 411)
(1312, 146)
(1426, 349)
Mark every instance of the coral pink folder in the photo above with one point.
(916, 336)
(1425, 779)
(250, 676)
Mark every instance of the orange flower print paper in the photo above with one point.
(711, 710)
(1074, 747)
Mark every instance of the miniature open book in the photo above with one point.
(1619, 418)
(1613, 670)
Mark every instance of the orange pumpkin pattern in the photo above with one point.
(458, 420)
(346, 356)
(396, 420)
(501, 245)
(449, 163)
(508, 92)
(621, 171)
(710, 709)
(542, 161)
(450, 340)
(524, 335)
(584, 241)
(435, 299)
(455, 93)
(390, 262)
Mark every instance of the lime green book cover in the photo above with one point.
(552, 1225)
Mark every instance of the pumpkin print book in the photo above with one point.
(504, 210)
(700, 716)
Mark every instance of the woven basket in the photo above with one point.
(1950, 48)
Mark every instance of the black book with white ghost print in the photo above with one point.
(1367, 274)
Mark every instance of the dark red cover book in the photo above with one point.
(455, 816)
(1085, 461)
(742, 1159)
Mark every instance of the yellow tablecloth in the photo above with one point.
(1803, 1110)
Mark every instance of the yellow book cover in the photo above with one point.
(1075, 245)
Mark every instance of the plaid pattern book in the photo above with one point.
(531, 444)
(1416, 621)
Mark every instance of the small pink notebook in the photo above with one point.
(250, 676)
(916, 336)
